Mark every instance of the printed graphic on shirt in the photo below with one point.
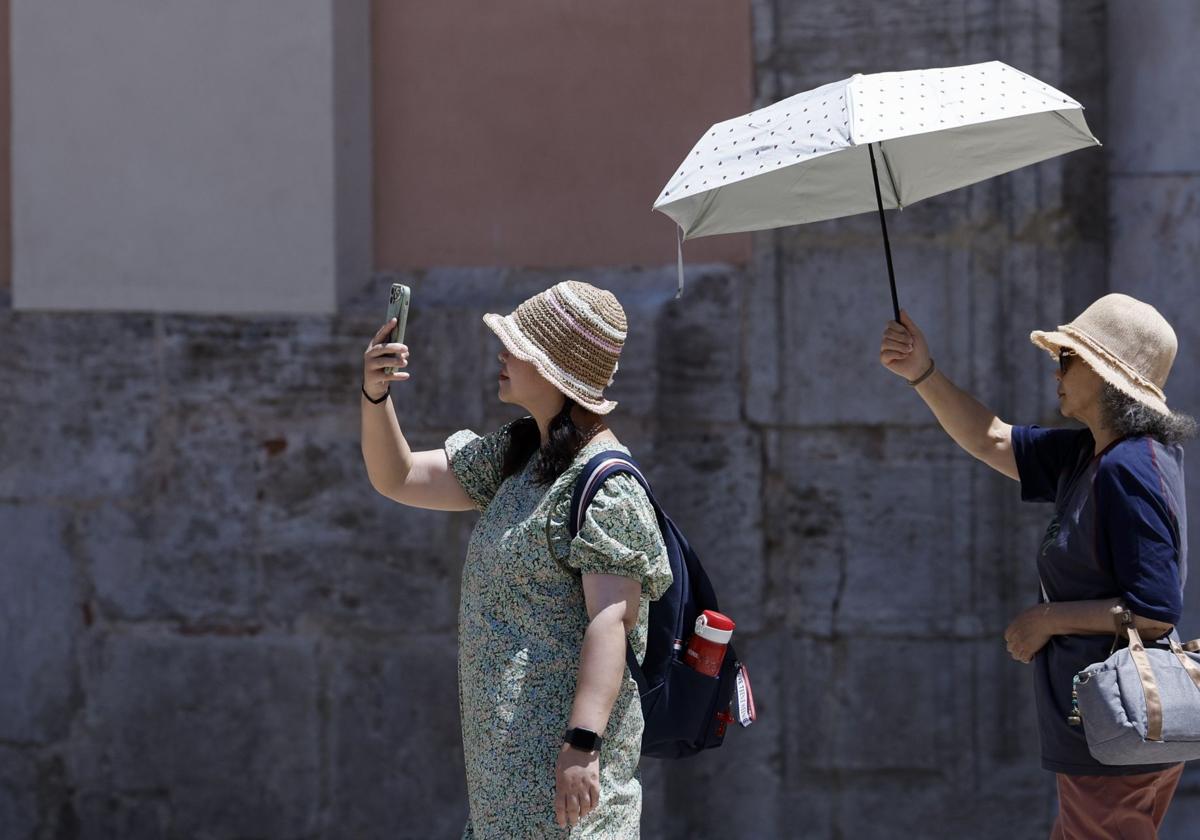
(1051, 537)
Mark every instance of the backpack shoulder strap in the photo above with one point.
(592, 478)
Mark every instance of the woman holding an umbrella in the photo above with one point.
(1118, 533)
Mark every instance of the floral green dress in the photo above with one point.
(522, 618)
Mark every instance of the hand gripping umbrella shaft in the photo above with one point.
(887, 247)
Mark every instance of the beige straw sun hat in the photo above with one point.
(573, 334)
(1127, 342)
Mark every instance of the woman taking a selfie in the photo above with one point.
(551, 719)
(1118, 533)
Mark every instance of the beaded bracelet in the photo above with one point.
(386, 394)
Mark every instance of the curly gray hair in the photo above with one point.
(1127, 417)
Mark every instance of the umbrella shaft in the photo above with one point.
(887, 246)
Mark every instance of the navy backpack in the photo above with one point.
(685, 711)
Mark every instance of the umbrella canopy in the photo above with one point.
(807, 157)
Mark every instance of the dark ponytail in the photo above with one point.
(524, 442)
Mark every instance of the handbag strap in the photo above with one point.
(1123, 618)
(1189, 665)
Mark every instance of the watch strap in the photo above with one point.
(583, 739)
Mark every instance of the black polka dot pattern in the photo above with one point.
(946, 98)
(853, 112)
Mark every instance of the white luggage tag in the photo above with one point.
(746, 713)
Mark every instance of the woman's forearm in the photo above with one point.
(385, 452)
(1034, 627)
(601, 669)
(1081, 618)
(968, 421)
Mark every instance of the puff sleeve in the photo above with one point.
(620, 536)
(478, 462)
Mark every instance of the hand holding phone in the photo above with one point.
(379, 368)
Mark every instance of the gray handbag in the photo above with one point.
(1141, 705)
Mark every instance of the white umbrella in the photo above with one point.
(806, 157)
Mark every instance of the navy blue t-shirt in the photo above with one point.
(1119, 530)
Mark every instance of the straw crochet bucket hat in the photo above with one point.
(1127, 342)
(573, 334)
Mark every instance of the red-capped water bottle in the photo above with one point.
(706, 649)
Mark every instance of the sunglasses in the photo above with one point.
(1064, 359)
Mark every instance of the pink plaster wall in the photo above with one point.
(539, 133)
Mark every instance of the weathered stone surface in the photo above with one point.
(117, 817)
(227, 727)
(823, 325)
(914, 34)
(709, 482)
(336, 553)
(995, 696)
(815, 333)
(851, 727)
(96, 443)
(864, 532)
(1155, 250)
(928, 809)
(698, 361)
(186, 549)
(395, 763)
(39, 620)
(826, 712)
(264, 373)
(1152, 51)
(19, 816)
(197, 571)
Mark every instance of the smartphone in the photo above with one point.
(398, 301)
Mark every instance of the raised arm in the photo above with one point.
(417, 479)
(971, 424)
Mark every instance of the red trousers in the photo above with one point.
(1116, 807)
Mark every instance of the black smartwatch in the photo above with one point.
(583, 739)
